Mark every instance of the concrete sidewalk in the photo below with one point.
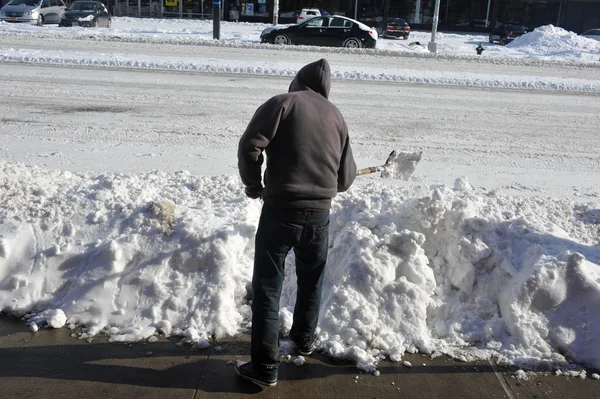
(52, 364)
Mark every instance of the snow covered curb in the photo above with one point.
(418, 51)
(432, 269)
(72, 58)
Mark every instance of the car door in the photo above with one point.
(61, 8)
(337, 32)
(103, 14)
(54, 11)
(46, 11)
(312, 32)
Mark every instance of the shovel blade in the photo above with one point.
(401, 165)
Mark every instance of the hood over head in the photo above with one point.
(315, 76)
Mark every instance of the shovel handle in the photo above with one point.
(366, 171)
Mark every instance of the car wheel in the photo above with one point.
(282, 39)
(352, 43)
(40, 20)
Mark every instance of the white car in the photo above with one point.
(592, 34)
(37, 12)
(308, 13)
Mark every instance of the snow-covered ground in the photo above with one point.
(121, 210)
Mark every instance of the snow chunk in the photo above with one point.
(462, 184)
(299, 361)
(56, 318)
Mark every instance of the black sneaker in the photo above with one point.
(305, 347)
(245, 370)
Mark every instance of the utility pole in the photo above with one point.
(432, 47)
(216, 19)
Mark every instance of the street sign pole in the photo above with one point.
(275, 12)
(216, 19)
(432, 44)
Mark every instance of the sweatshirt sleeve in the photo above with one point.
(347, 171)
(256, 138)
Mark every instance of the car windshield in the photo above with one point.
(397, 21)
(515, 28)
(83, 6)
(30, 3)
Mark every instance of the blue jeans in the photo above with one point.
(280, 230)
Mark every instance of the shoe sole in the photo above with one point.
(254, 380)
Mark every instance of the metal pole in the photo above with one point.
(432, 44)
(216, 19)
(418, 12)
(487, 14)
(559, 12)
(275, 12)
(356, 9)
(139, 8)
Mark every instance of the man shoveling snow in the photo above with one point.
(309, 160)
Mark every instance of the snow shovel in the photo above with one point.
(399, 165)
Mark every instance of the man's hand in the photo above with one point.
(254, 192)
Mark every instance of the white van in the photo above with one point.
(308, 13)
(37, 12)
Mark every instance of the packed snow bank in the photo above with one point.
(415, 268)
(552, 41)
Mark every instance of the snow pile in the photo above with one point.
(553, 41)
(422, 268)
(117, 252)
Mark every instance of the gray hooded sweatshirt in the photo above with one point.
(305, 137)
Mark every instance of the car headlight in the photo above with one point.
(32, 12)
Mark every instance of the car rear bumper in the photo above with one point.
(29, 19)
(396, 33)
(71, 22)
(68, 23)
(369, 43)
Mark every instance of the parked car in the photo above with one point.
(592, 34)
(323, 31)
(86, 13)
(506, 33)
(37, 12)
(394, 27)
(307, 13)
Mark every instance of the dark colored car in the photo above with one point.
(506, 33)
(323, 31)
(86, 13)
(394, 27)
